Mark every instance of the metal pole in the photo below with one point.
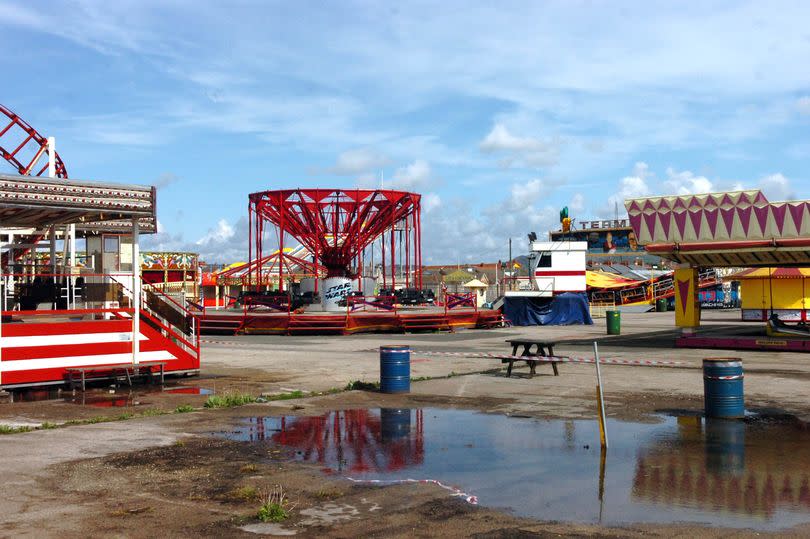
(136, 293)
(511, 266)
(603, 437)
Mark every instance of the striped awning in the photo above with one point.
(770, 273)
(731, 229)
(603, 279)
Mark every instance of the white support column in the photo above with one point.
(136, 293)
(53, 253)
(72, 279)
(51, 157)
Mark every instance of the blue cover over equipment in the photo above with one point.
(562, 310)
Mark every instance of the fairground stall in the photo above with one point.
(66, 312)
(736, 229)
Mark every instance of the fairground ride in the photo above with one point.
(338, 227)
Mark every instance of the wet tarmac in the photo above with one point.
(753, 473)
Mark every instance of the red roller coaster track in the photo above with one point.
(23, 147)
(338, 226)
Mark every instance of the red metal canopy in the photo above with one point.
(337, 225)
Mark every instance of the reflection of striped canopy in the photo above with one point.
(772, 273)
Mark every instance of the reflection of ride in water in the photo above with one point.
(350, 440)
(743, 476)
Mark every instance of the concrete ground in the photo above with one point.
(35, 461)
(773, 379)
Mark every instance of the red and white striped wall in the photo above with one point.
(38, 352)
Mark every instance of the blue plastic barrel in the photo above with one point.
(395, 369)
(723, 387)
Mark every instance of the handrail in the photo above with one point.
(171, 332)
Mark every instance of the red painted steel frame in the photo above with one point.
(337, 226)
(18, 136)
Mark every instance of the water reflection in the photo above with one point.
(347, 440)
(755, 470)
(687, 469)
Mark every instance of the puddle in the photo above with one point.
(189, 390)
(103, 397)
(682, 469)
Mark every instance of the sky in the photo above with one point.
(499, 115)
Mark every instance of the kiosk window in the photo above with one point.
(544, 260)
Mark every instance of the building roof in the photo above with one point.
(475, 283)
(34, 202)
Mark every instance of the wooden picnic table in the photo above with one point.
(526, 354)
(129, 370)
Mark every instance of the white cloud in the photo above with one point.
(776, 187)
(222, 233)
(166, 179)
(685, 182)
(358, 161)
(632, 186)
(577, 204)
(414, 176)
(803, 105)
(525, 151)
(430, 202)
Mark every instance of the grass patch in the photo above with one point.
(7, 429)
(48, 425)
(184, 409)
(359, 385)
(328, 494)
(229, 400)
(152, 412)
(248, 468)
(179, 443)
(125, 416)
(297, 394)
(246, 494)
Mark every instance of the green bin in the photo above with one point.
(661, 305)
(614, 322)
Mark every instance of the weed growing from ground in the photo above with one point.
(362, 386)
(6, 429)
(184, 409)
(229, 400)
(297, 394)
(276, 507)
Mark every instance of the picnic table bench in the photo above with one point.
(527, 354)
(128, 370)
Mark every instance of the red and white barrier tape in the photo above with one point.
(548, 359)
(469, 498)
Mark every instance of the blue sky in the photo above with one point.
(499, 116)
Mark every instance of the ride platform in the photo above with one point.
(257, 322)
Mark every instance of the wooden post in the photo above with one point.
(603, 437)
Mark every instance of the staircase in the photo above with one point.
(318, 324)
(435, 322)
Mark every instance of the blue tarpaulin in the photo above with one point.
(562, 310)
